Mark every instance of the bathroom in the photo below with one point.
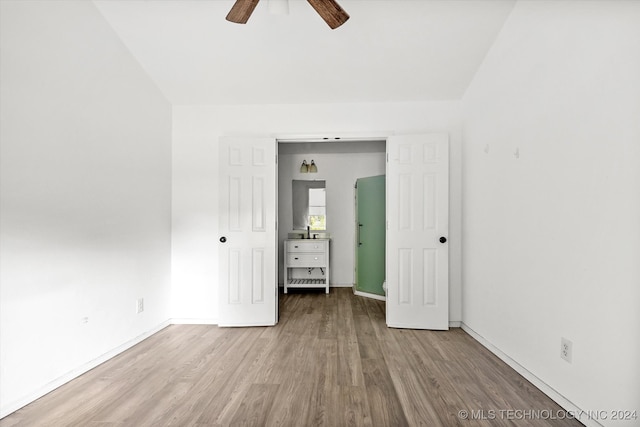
(339, 164)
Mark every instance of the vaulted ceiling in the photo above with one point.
(389, 50)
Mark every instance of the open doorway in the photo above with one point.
(338, 165)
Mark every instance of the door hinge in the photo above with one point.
(387, 157)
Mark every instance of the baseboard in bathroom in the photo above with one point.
(368, 295)
(340, 285)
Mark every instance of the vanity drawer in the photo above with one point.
(309, 246)
(306, 260)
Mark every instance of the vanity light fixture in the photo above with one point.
(308, 168)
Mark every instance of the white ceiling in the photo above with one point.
(389, 50)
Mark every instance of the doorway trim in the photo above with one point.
(328, 137)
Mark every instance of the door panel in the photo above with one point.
(417, 216)
(370, 248)
(247, 215)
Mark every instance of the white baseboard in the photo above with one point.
(193, 321)
(368, 295)
(340, 285)
(554, 395)
(49, 387)
(455, 323)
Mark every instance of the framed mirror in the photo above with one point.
(309, 203)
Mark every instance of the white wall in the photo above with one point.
(195, 178)
(552, 237)
(340, 171)
(85, 184)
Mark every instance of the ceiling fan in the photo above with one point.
(329, 10)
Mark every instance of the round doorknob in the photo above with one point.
(443, 239)
(223, 239)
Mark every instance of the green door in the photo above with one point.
(370, 231)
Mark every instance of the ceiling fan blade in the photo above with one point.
(241, 11)
(330, 11)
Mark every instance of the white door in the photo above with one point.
(248, 289)
(417, 229)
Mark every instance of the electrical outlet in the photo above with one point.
(140, 305)
(566, 349)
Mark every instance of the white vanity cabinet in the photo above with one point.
(306, 264)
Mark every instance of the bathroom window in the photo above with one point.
(317, 209)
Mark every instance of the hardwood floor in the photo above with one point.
(331, 361)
